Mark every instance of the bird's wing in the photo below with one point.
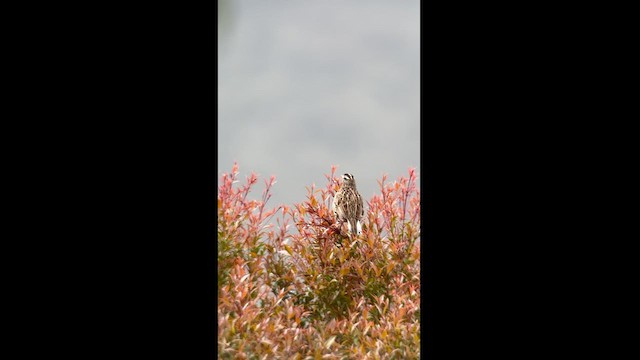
(360, 206)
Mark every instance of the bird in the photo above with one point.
(347, 204)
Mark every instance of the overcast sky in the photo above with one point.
(303, 85)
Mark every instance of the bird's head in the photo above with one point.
(348, 180)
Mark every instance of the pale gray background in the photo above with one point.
(306, 84)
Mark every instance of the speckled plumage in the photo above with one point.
(347, 204)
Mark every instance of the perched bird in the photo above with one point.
(347, 204)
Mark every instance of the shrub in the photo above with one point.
(301, 288)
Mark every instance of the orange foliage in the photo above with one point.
(302, 289)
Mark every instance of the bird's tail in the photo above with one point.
(354, 224)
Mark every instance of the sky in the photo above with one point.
(304, 85)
